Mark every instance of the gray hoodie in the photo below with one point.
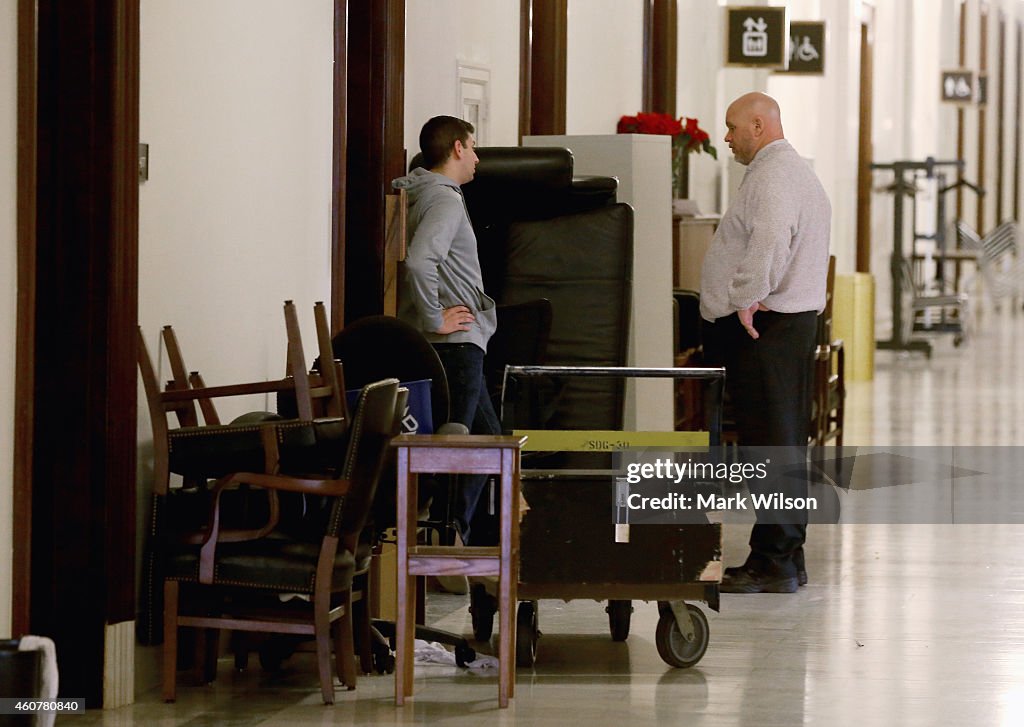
(441, 268)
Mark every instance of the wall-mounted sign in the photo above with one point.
(806, 48)
(958, 86)
(756, 36)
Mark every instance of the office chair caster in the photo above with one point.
(619, 613)
(464, 655)
(482, 607)
(383, 658)
(675, 649)
(274, 651)
(527, 633)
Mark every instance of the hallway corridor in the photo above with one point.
(900, 624)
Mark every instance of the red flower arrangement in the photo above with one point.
(686, 135)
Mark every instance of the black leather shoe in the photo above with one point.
(801, 566)
(746, 580)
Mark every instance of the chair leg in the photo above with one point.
(405, 628)
(344, 645)
(239, 645)
(363, 626)
(170, 655)
(204, 660)
(506, 643)
(322, 632)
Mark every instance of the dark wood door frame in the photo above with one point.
(865, 153)
(24, 377)
(375, 154)
(960, 131)
(542, 66)
(73, 560)
(983, 18)
(1019, 105)
(338, 166)
(1000, 116)
(660, 52)
(74, 488)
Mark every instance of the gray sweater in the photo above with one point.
(772, 243)
(441, 267)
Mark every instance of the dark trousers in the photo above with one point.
(469, 404)
(769, 382)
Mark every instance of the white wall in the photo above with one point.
(604, 64)
(8, 289)
(236, 104)
(820, 116)
(442, 33)
(698, 93)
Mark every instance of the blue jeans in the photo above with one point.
(469, 404)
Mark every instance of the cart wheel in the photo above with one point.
(619, 613)
(676, 650)
(482, 607)
(464, 654)
(526, 634)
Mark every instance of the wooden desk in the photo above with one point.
(457, 454)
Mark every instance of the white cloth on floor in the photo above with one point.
(49, 682)
(431, 652)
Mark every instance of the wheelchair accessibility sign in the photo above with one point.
(806, 48)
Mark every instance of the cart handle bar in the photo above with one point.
(624, 371)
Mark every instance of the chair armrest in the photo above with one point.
(274, 483)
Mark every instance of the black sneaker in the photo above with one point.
(748, 580)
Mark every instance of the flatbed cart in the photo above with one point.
(571, 547)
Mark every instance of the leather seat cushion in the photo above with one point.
(216, 450)
(270, 563)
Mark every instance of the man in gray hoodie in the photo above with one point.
(442, 291)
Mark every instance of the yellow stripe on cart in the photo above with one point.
(605, 440)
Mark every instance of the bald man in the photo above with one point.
(762, 287)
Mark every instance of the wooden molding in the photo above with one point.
(549, 21)
(660, 52)
(865, 151)
(24, 379)
(338, 166)
(375, 122)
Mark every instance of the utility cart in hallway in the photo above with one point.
(570, 544)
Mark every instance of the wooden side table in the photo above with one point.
(457, 454)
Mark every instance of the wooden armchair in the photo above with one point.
(200, 453)
(829, 395)
(232, 580)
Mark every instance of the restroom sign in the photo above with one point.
(806, 48)
(757, 36)
(958, 86)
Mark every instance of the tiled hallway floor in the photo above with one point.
(900, 625)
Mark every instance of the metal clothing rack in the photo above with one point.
(903, 186)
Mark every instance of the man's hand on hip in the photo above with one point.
(455, 319)
(747, 318)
